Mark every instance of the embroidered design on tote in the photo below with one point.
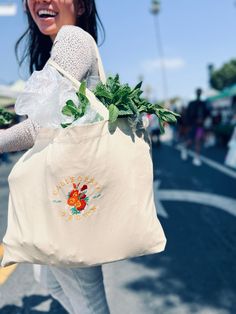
(80, 195)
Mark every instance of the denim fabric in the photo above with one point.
(79, 290)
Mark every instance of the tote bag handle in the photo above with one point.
(95, 103)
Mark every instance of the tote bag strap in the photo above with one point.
(101, 71)
(95, 103)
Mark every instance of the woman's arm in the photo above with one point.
(19, 137)
(73, 51)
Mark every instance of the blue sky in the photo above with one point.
(194, 33)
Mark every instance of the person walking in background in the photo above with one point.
(64, 31)
(196, 113)
(154, 129)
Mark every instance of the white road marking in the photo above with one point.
(159, 207)
(224, 203)
(211, 163)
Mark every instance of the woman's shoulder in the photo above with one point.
(74, 51)
(73, 34)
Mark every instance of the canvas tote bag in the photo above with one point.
(83, 195)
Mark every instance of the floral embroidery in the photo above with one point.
(78, 198)
(81, 193)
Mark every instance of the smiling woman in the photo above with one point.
(50, 16)
(63, 30)
(41, 31)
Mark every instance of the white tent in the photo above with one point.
(9, 93)
(8, 9)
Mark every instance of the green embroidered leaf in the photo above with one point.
(74, 211)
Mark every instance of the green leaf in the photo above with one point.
(133, 107)
(121, 100)
(169, 117)
(65, 125)
(69, 109)
(102, 91)
(112, 84)
(82, 88)
(113, 113)
(6, 117)
(138, 86)
(162, 129)
(84, 103)
(125, 113)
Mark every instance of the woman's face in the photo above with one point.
(51, 15)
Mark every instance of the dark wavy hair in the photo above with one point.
(38, 46)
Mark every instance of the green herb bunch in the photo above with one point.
(6, 117)
(121, 101)
(71, 110)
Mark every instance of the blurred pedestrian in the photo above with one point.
(230, 158)
(154, 129)
(182, 126)
(64, 31)
(196, 114)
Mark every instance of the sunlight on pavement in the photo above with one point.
(1, 250)
(5, 272)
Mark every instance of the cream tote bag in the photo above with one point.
(83, 195)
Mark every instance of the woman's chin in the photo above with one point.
(49, 31)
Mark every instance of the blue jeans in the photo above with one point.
(79, 290)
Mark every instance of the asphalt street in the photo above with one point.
(197, 271)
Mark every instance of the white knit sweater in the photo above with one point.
(74, 51)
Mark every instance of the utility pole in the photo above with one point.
(155, 10)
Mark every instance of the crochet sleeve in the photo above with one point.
(19, 137)
(73, 51)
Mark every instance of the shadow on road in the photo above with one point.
(198, 265)
(31, 302)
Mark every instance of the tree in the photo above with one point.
(225, 76)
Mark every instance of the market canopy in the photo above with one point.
(225, 93)
(9, 93)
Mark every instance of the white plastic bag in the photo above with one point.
(44, 96)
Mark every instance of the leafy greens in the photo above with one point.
(121, 101)
(6, 117)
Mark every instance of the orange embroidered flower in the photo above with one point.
(71, 201)
(78, 199)
(80, 204)
(74, 193)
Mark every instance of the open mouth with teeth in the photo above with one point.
(46, 14)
